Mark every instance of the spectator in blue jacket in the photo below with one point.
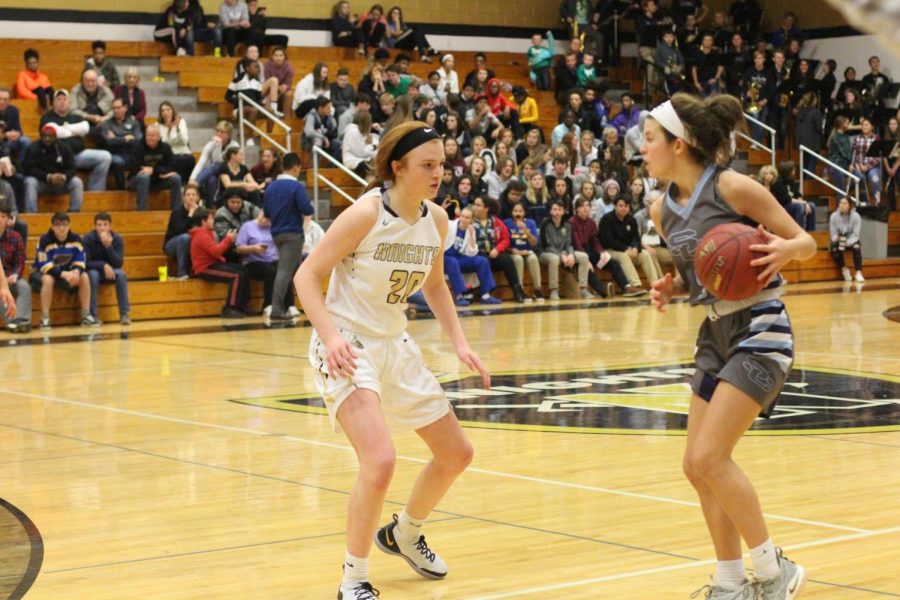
(461, 256)
(60, 262)
(286, 205)
(627, 118)
(9, 114)
(104, 251)
(524, 245)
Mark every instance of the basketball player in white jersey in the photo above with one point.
(370, 372)
(744, 349)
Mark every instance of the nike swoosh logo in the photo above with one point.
(793, 586)
(387, 536)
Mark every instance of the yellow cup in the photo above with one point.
(163, 273)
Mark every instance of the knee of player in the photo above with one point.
(465, 454)
(378, 467)
(702, 464)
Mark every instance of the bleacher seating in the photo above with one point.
(144, 231)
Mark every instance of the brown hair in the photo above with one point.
(382, 167)
(709, 122)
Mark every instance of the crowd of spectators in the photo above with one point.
(567, 197)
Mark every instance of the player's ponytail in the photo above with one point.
(709, 123)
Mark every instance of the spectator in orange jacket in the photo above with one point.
(31, 84)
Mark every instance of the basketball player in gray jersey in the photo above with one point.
(369, 371)
(744, 348)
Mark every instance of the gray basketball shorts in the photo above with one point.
(752, 349)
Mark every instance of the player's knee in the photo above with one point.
(702, 464)
(379, 468)
(464, 455)
(690, 471)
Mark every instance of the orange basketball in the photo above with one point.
(722, 261)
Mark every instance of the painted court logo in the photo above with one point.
(651, 400)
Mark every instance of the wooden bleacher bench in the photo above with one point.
(144, 231)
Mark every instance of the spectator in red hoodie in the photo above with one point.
(208, 260)
(586, 238)
(503, 108)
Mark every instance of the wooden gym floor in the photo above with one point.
(185, 459)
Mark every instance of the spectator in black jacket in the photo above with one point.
(104, 252)
(9, 114)
(50, 168)
(204, 30)
(620, 236)
(342, 93)
(119, 135)
(566, 72)
(154, 166)
(258, 35)
(343, 33)
(178, 241)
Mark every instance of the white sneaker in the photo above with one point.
(423, 560)
(586, 294)
(357, 590)
(293, 311)
(845, 272)
(787, 585)
(267, 312)
(747, 591)
(181, 52)
(554, 294)
(859, 277)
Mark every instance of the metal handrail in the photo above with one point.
(242, 98)
(772, 133)
(803, 171)
(316, 152)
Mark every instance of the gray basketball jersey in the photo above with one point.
(684, 227)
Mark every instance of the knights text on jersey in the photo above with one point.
(369, 289)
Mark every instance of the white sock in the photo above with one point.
(355, 568)
(408, 529)
(730, 574)
(765, 561)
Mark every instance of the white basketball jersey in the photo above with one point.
(369, 289)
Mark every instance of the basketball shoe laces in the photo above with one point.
(423, 549)
(365, 591)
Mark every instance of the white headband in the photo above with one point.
(666, 116)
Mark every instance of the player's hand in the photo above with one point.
(661, 292)
(341, 357)
(778, 253)
(6, 298)
(468, 357)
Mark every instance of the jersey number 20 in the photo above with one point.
(403, 284)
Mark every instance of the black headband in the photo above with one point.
(413, 140)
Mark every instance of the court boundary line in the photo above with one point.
(678, 567)
(347, 448)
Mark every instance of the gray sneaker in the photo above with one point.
(747, 591)
(787, 585)
(554, 294)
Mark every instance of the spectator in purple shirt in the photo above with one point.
(255, 246)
